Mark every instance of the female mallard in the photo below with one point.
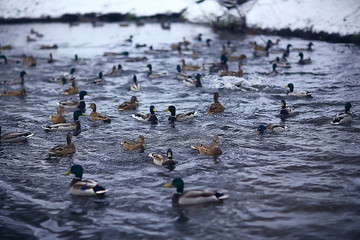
(115, 70)
(70, 104)
(71, 90)
(135, 86)
(64, 150)
(163, 159)
(65, 77)
(271, 127)
(18, 93)
(74, 126)
(94, 116)
(193, 81)
(180, 75)
(284, 111)
(343, 118)
(132, 145)
(59, 118)
(15, 136)
(190, 67)
(151, 74)
(208, 149)
(216, 107)
(136, 59)
(181, 116)
(132, 105)
(303, 61)
(19, 80)
(99, 80)
(80, 187)
(149, 117)
(297, 93)
(194, 196)
(239, 73)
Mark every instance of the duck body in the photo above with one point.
(74, 126)
(343, 118)
(180, 75)
(193, 81)
(163, 159)
(291, 92)
(209, 149)
(132, 105)
(271, 127)
(133, 145)
(309, 48)
(99, 80)
(151, 74)
(216, 107)
(71, 90)
(303, 61)
(19, 80)
(95, 116)
(18, 93)
(59, 118)
(190, 67)
(65, 77)
(181, 116)
(149, 117)
(15, 137)
(64, 150)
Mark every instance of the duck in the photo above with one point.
(194, 196)
(71, 90)
(64, 150)
(221, 66)
(224, 50)
(80, 187)
(165, 25)
(193, 81)
(273, 72)
(190, 67)
(297, 93)
(303, 61)
(271, 43)
(281, 62)
(286, 51)
(148, 117)
(78, 61)
(284, 111)
(343, 118)
(239, 73)
(163, 159)
(129, 39)
(215, 107)
(135, 86)
(259, 48)
(51, 59)
(13, 137)
(99, 80)
(18, 93)
(65, 77)
(19, 80)
(70, 104)
(29, 39)
(6, 47)
(31, 61)
(95, 116)
(309, 48)
(134, 145)
(242, 58)
(180, 75)
(136, 59)
(125, 53)
(74, 126)
(181, 116)
(271, 127)
(54, 46)
(132, 105)
(115, 70)
(151, 74)
(208, 149)
(231, 46)
(59, 118)
(198, 37)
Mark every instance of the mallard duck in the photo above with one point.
(74, 126)
(194, 54)
(64, 150)
(297, 93)
(284, 111)
(19, 80)
(231, 46)
(239, 73)
(132, 145)
(18, 93)
(163, 159)
(271, 73)
(286, 51)
(181, 116)
(148, 117)
(132, 105)
(242, 58)
(71, 90)
(271, 43)
(198, 37)
(280, 63)
(115, 70)
(220, 66)
(51, 59)
(29, 39)
(343, 118)
(151, 74)
(309, 48)
(94, 116)
(180, 75)
(216, 107)
(80, 187)
(54, 46)
(129, 39)
(136, 59)
(70, 104)
(125, 53)
(65, 77)
(259, 48)
(31, 61)
(194, 196)
(208, 149)
(99, 80)
(190, 67)
(303, 61)
(59, 118)
(224, 50)
(138, 45)
(135, 86)
(271, 127)
(78, 61)
(193, 81)
(12, 137)
(6, 47)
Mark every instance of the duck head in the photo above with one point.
(290, 86)
(178, 183)
(172, 109)
(261, 129)
(283, 103)
(152, 109)
(348, 106)
(75, 169)
(169, 154)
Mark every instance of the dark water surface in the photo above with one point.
(300, 184)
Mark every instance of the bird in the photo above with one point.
(18, 93)
(80, 187)
(163, 159)
(54, 46)
(78, 61)
(19, 80)
(17, 137)
(271, 73)
(65, 77)
(208, 149)
(271, 127)
(6, 47)
(194, 196)
(115, 70)
(95, 116)
(51, 59)
(74, 126)
(99, 80)
(303, 61)
(132, 105)
(129, 39)
(133, 145)
(181, 116)
(64, 150)
(343, 118)
(193, 81)
(239, 73)
(198, 37)
(71, 90)
(242, 58)
(29, 39)
(281, 62)
(59, 118)
(190, 67)
(309, 48)
(180, 75)
(136, 59)
(297, 93)
(73, 105)
(231, 46)
(151, 74)
(216, 107)
(220, 66)
(135, 86)
(147, 117)
(284, 111)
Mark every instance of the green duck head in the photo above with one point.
(119, 67)
(76, 57)
(261, 129)
(274, 66)
(283, 103)
(178, 183)
(178, 68)
(348, 106)
(135, 79)
(63, 80)
(208, 42)
(198, 78)
(301, 55)
(22, 74)
(72, 71)
(75, 169)
(100, 75)
(171, 109)
(223, 59)
(152, 109)
(150, 67)
(82, 94)
(169, 154)
(290, 86)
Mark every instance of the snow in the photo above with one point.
(331, 16)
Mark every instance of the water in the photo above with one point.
(300, 184)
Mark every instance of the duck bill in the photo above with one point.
(83, 114)
(67, 173)
(88, 94)
(166, 110)
(170, 184)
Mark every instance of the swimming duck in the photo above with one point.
(284, 111)
(51, 59)
(239, 73)
(190, 67)
(78, 61)
(94, 116)
(163, 159)
(12, 137)
(136, 59)
(18, 93)
(231, 46)
(216, 107)
(99, 80)
(80, 187)
(259, 48)
(132, 145)
(74, 126)
(129, 39)
(303, 61)
(6, 47)
(273, 72)
(286, 51)
(59, 118)
(208, 149)
(70, 104)
(180, 75)
(343, 118)
(194, 196)
(151, 74)
(281, 62)
(297, 93)
(19, 80)
(54, 46)
(125, 53)
(271, 43)
(309, 48)
(221, 66)
(181, 116)
(148, 117)
(65, 77)
(193, 81)
(198, 37)
(242, 58)
(31, 61)
(29, 39)
(132, 105)
(64, 150)
(115, 70)
(271, 127)
(135, 86)
(71, 90)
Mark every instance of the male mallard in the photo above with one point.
(190, 67)
(74, 126)
(65, 77)
(149, 117)
(239, 73)
(180, 75)
(281, 62)
(132, 145)
(163, 159)
(30, 39)
(80, 187)
(286, 51)
(94, 116)
(181, 116)
(284, 111)
(198, 37)
(54, 46)
(129, 39)
(19, 80)
(151, 74)
(220, 66)
(271, 127)
(59, 118)
(99, 80)
(303, 61)
(51, 59)
(71, 90)
(259, 48)
(115, 70)
(135, 86)
(216, 107)
(70, 104)
(64, 150)
(309, 48)
(193, 81)
(194, 196)
(271, 73)
(297, 93)
(208, 149)
(343, 118)
(132, 105)
(15, 136)
(18, 93)
(78, 61)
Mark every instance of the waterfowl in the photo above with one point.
(208, 149)
(231, 46)
(239, 73)
(284, 111)
(95, 116)
(193, 81)
(303, 61)
(129, 39)
(273, 72)
(125, 53)
(132, 105)
(151, 74)
(71, 90)
(194, 54)
(223, 50)
(70, 104)
(221, 66)
(166, 25)
(51, 59)
(133, 145)
(194, 196)
(74, 126)
(6, 47)
(18, 93)
(216, 107)
(343, 118)
(138, 45)
(19, 80)
(29, 39)
(65, 77)
(190, 67)
(242, 58)
(163, 159)
(54, 46)
(59, 118)
(136, 59)
(198, 37)
(271, 127)
(281, 62)
(80, 187)
(286, 51)
(64, 150)
(259, 48)
(297, 93)
(180, 75)
(12, 137)
(115, 70)
(31, 61)
(148, 117)
(271, 43)
(181, 116)
(309, 48)
(99, 80)
(135, 86)
(79, 61)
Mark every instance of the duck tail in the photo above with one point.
(99, 190)
(47, 128)
(221, 196)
